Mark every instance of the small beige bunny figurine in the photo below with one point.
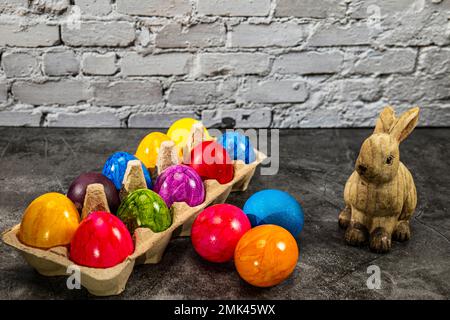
(380, 195)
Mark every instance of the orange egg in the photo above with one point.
(49, 221)
(148, 148)
(266, 255)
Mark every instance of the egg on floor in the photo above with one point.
(266, 255)
(277, 207)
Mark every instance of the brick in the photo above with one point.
(164, 8)
(417, 90)
(201, 93)
(127, 93)
(349, 90)
(243, 118)
(3, 91)
(334, 35)
(434, 61)
(261, 35)
(310, 8)
(84, 119)
(370, 8)
(61, 63)
(425, 31)
(50, 6)
(103, 34)
(13, 4)
(199, 35)
(435, 115)
(20, 118)
(234, 8)
(133, 64)
(156, 120)
(38, 35)
(213, 64)
(94, 7)
(99, 64)
(385, 62)
(309, 62)
(65, 92)
(19, 64)
(413, 23)
(275, 91)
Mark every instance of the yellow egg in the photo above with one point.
(49, 221)
(148, 148)
(179, 131)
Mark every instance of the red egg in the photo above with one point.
(211, 161)
(217, 230)
(101, 241)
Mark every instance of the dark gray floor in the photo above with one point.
(314, 167)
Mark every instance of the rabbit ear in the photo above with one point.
(385, 121)
(405, 124)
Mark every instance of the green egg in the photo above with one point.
(145, 208)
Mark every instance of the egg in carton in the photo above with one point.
(149, 246)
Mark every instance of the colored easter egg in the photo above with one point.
(266, 255)
(211, 161)
(145, 208)
(180, 130)
(275, 207)
(101, 241)
(116, 165)
(180, 183)
(77, 190)
(238, 146)
(148, 148)
(217, 230)
(49, 221)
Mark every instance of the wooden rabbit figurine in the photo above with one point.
(380, 195)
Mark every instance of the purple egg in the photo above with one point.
(77, 190)
(180, 183)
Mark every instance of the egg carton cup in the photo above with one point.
(149, 246)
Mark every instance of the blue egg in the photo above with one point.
(116, 165)
(238, 146)
(275, 207)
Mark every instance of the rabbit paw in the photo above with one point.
(402, 232)
(344, 218)
(380, 241)
(356, 235)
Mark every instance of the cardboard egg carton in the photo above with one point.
(149, 246)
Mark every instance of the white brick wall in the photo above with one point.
(254, 63)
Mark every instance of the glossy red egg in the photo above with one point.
(217, 230)
(211, 161)
(101, 241)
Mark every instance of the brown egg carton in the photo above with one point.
(149, 246)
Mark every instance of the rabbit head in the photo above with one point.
(379, 158)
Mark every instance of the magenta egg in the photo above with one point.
(180, 183)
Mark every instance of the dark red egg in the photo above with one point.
(217, 230)
(101, 241)
(77, 190)
(211, 161)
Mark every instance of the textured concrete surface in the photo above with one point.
(314, 167)
(310, 63)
